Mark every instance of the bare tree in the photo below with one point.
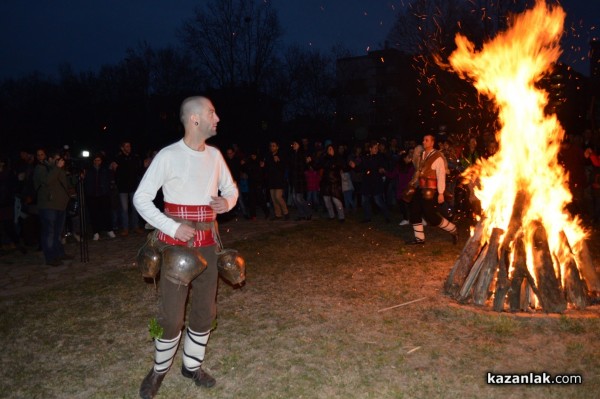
(234, 41)
(307, 82)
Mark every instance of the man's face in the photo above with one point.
(208, 119)
(374, 149)
(230, 153)
(273, 147)
(428, 142)
(40, 155)
(126, 148)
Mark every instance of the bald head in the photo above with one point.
(190, 106)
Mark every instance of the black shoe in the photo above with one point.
(415, 241)
(200, 377)
(150, 384)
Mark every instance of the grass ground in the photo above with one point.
(308, 324)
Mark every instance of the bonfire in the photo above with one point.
(526, 252)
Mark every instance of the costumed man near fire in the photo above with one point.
(431, 179)
(191, 174)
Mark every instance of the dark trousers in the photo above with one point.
(203, 306)
(99, 208)
(379, 201)
(52, 222)
(421, 208)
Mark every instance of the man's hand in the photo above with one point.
(219, 204)
(440, 198)
(185, 232)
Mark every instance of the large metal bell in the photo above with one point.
(231, 266)
(182, 264)
(148, 259)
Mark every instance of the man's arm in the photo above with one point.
(440, 174)
(143, 198)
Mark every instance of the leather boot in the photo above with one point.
(200, 377)
(151, 384)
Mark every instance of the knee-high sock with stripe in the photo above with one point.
(194, 347)
(448, 226)
(164, 352)
(419, 231)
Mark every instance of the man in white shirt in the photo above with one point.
(191, 175)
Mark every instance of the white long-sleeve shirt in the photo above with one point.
(440, 173)
(187, 177)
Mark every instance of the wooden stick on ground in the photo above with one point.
(402, 304)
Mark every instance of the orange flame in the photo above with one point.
(506, 70)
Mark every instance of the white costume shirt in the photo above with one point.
(187, 177)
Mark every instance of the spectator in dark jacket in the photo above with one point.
(297, 166)
(275, 167)
(97, 194)
(52, 187)
(128, 171)
(373, 168)
(331, 166)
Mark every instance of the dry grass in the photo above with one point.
(306, 325)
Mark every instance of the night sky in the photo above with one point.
(43, 34)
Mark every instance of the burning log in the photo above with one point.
(465, 262)
(488, 269)
(586, 267)
(521, 203)
(466, 287)
(548, 285)
(574, 286)
(502, 283)
(520, 279)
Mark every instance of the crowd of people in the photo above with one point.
(42, 193)
(314, 178)
(180, 191)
